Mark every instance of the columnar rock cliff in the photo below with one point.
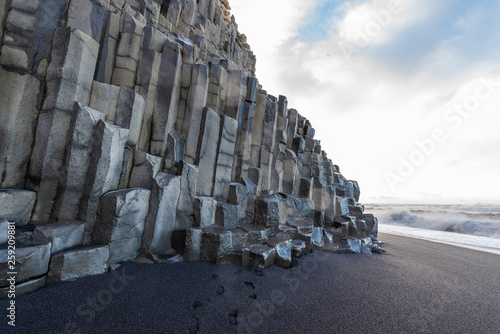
(138, 128)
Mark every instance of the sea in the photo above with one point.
(471, 225)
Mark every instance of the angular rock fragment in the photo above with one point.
(262, 256)
(354, 245)
(267, 212)
(317, 238)
(299, 248)
(257, 234)
(240, 256)
(239, 236)
(283, 247)
(216, 245)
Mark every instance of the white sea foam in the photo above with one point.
(470, 225)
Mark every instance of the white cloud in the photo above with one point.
(368, 112)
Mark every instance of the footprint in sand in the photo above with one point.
(233, 317)
(250, 284)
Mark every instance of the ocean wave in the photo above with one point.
(442, 222)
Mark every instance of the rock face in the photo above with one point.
(139, 127)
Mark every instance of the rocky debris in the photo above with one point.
(141, 124)
(262, 255)
(283, 246)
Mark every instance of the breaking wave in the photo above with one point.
(484, 228)
(481, 221)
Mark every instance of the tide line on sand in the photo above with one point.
(483, 244)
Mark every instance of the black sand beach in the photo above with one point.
(417, 286)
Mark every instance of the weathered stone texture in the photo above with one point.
(120, 222)
(62, 235)
(160, 221)
(72, 264)
(17, 205)
(68, 80)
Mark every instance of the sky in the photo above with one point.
(404, 94)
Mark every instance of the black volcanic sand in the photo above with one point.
(417, 286)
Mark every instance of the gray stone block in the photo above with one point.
(104, 171)
(225, 157)
(192, 252)
(192, 126)
(216, 244)
(19, 95)
(167, 97)
(32, 260)
(204, 212)
(257, 234)
(17, 205)
(227, 215)
(207, 152)
(73, 264)
(160, 221)
(267, 212)
(68, 80)
(120, 222)
(74, 172)
(189, 180)
(146, 168)
(283, 247)
(128, 51)
(174, 152)
(262, 256)
(62, 235)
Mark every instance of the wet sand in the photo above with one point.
(417, 286)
